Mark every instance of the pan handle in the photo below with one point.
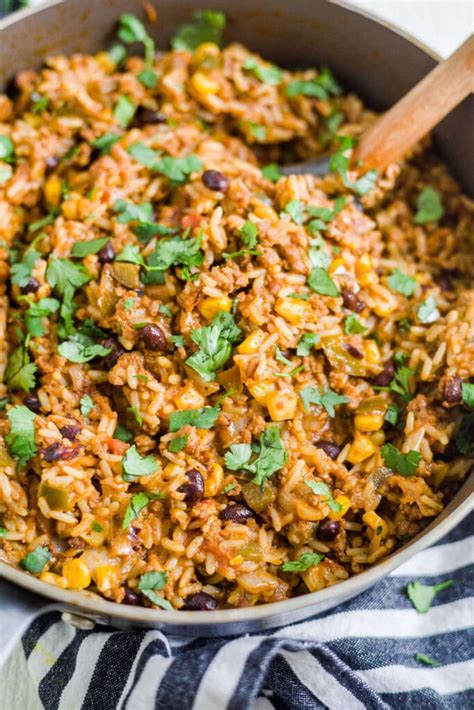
(18, 608)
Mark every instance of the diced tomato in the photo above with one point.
(191, 220)
(117, 447)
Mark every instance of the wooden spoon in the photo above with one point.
(411, 118)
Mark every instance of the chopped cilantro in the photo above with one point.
(136, 505)
(131, 254)
(178, 340)
(124, 111)
(304, 562)
(339, 163)
(3, 532)
(62, 273)
(21, 272)
(353, 325)
(320, 282)
(272, 456)
(81, 348)
(129, 212)
(404, 325)
(3, 402)
(271, 172)
(257, 131)
(392, 414)
(401, 381)
(43, 222)
(152, 582)
(105, 142)
(39, 103)
(117, 53)
(229, 487)
(421, 595)
(426, 660)
(306, 88)
(203, 418)
(467, 390)
(176, 169)
(37, 311)
(327, 399)
(267, 74)
(132, 30)
(81, 249)
(401, 283)
(136, 415)
(206, 26)
(429, 206)
(134, 465)
(7, 149)
(296, 210)
(21, 437)
(86, 405)
(178, 443)
(306, 343)
(215, 343)
(428, 311)
(20, 371)
(176, 251)
(248, 233)
(464, 437)
(35, 561)
(405, 464)
(123, 433)
(97, 527)
(148, 78)
(321, 489)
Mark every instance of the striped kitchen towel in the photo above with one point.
(366, 653)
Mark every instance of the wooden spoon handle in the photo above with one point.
(392, 136)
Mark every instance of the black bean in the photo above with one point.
(131, 597)
(58, 452)
(153, 337)
(106, 254)
(352, 301)
(32, 402)
(328, 530)
(194, 490)
(31, 287)
(51, 164)
(355, 352)
(443, 280)
(238, 513)
(200, 602)
(117, 350)
(75, 543)
(452, 390)
(147, 115)
(215, 180)
(387, 374)
(70, 431)
(329, 448)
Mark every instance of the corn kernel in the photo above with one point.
(364, 265)
(336, 264)
(378, 437)
(376, 523)
(210, 307)
(368, 422)
(293, 310)
(205, 51)
(77, 574)
(188, 398)
(281, 405)
(385, 307)
(53, 191)
(263, 211)
(252, 343)
(214, 481)
(260, 390)
(55, 579)
(345, 504)
(104, 60)
(236, 561)
(368, 279)
(372, 352)
(69, 208)
(204, 84)
(106, 577)
(361, 448)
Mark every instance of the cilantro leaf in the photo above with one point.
(132, 30)
(37, 311)
(401, 380)
(105, 142)
(124, 111)
(176, 251)
(129, 212)
(62, 273)
(35, 562)
(271, 172)
(21, 437)
(86, 405)
(134, 465)
(20, 372)
(304, 562)
(392, 414)
(353, 325)
(421, 595)
(464, 437)
(206, 26)
(467, 390)
(429, 206)
(321, 489)
(148, 78)
(136, 505)
(21, 273)
(178, 340)
(306, 343)
(152, 582)
(401, 283)
(309, 87)
(428, 311)
(43, 222)
(123, 434)
(203, 418)
(238, 456)
(296, 210)
(364, 184)
(131, 254)
(215, 343)
(256, 130)
(320, 282)
(248, 233)
(327, 399)
(178, 169)
(7, 149)
(81, 348)
(81, 249)
(178, 443)
(143, 154)
(405, 464)
(267, 74)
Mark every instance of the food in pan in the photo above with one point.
(222, 386)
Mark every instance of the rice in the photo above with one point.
(320, 391)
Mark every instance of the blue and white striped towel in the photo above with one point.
(359, 655)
